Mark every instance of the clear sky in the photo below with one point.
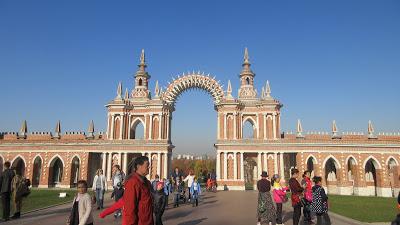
(325, 60)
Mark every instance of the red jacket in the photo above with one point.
(138, 202)
(113, 208)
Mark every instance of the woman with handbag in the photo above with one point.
(81, 212)
(279, 193)
(307, 185)
(266, 210)
(297, 195)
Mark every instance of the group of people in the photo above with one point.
(312, 199)
(13, 186)
(137, 200)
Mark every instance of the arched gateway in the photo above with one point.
(261, 112)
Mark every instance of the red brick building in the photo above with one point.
(350, 163)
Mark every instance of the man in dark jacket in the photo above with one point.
(138, 201)
(5, 189)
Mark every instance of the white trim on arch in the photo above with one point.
(315, 158)
(372, 157)
(76, 155)
(334, 159)
(34, 158)
(55, 156)
(16, 157)
(389, 158)
(349, 157)
(230, 156)
(154, 157)
(2, 158)
(252, 121)
(134, 121)
(270, 156)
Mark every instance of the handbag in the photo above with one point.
(93, 198)
(261, 207)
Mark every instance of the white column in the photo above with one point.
(159, 127)
(274, 125)
(143, 153)
(225, 126)
(241, 166)
(112, 127)
(257, 126)
(121, 128)
(265, 125)
(109, 166)
(125, 162)
(166, 165)
(259, 166)
(168, 120)
(234, 125)
(150, 166)
(281, 164)
(218, 126)
(151, 126)
(218, 165)
(159, 164)
(129, 126)
(266, 162)
(120, 159)
(103, 166)
(225, 166)
(275, 163)
(235, 172)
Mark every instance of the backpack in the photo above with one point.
(23, 188)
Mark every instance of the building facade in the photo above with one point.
(140, 124)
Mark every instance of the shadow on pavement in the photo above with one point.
(192, 222)
(177, 215)
(209, 202)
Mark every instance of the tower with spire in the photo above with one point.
(247, 90)
(141, 90)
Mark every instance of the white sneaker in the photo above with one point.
(258, 223)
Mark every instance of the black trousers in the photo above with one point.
(5, 200)
(323, 219)
(307, 212)
(296, 214)
(278, 213)
(158, 219)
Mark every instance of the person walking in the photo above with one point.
(195, 191)
(159, 202)
(279, 193)
(18, 189)
(5, 189)
(178, 190)
(155, 182)
(189, 180)
(138, 201)
(176, 174)
(266, 212)
(116, 176)
(117, 194)
(99, 187)
(319, 203)
(307, 185)
(81, 212)
(167, 189)
(297, 192)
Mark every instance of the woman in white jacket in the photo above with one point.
(81, 213)
(100, 187)
(189, 179)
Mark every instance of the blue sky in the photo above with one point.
(325, 60)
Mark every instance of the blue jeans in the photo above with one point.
(99, 197)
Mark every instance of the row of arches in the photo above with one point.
(370, 176)
(56, 167)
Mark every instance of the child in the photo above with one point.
(117, 194)
(178, 189)
(159, 202)
(195, 191)
(279, 193)
(319, 203)
(167, 189)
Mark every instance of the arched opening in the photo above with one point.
(229, 127)
(75, 170)
(117, 127)
(230, 168)
(310, 165)
(140, 82)
(56, 170)
(331, 177)
(250, 172)
(137, 130)
(249, 130)
(370, 176)
(155, 129)
(352, 173)
(393, 175)
(247, 81)
(154, 162)
(37, 171)
(19, 166)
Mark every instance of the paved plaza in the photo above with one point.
(231, 207)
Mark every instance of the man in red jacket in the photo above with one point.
(138, 202)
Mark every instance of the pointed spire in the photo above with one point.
(23, 131)
(334, 127)
(229, 90)
(126, 94)
(299, 129)
(119, 91)
(91, 130)
(246, 57)
(157, 90)
(142, 64)
(262, 93)
(58, 127)
(371, 130)
(267, 89)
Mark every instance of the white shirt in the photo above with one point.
(189, 179)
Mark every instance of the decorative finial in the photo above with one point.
(229, 90)
(268, 89)
(119, 91)
(23, 131)
(371, 130)
(334, 127)
(126, 94)
(142, 58)
(91, 129)
(157, 90)
(299, 129)
(262, 93)
(57, 130)
(246, 57)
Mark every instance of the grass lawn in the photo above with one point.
(365, 209)
(40, 198)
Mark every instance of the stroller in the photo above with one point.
(182, 197)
